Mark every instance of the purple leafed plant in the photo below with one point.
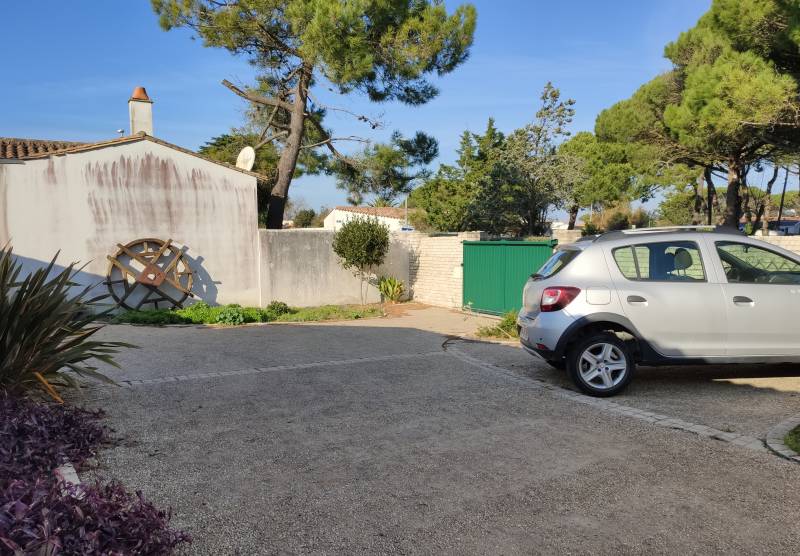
(39, 517)
(35, 438)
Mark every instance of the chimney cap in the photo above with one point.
(139, 93)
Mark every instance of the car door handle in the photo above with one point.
(742, 299)
(636, 299)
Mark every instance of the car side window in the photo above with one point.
(748, 264)
(664, 261)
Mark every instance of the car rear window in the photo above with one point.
(556, 263)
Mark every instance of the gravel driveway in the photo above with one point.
(374, 439)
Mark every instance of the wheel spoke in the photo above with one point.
(606, 352)
(591, 375)
(608, 382)
(620, 366)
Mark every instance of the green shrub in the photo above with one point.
(362, 244)
(278, 308)
(618, 221)
(391, 288)
(231, 315)
(590, 229)
(506, 328)
(46, 325)
(199, 313)
(253, 314)
(792, 440)
(158, 317)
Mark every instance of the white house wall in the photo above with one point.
(85, 203)
(338, 218)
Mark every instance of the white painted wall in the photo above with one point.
(338, 218)
(300, 268)
(85, 203)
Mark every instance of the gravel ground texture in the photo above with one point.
(408, 449)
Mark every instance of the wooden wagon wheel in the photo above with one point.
(149, 272)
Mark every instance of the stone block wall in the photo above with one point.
(567, 236)
(791, 243)
(436, 266)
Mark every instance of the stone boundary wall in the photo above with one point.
(436, 266)
(300, 268)
(567, 236)
(790, 243)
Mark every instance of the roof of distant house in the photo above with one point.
(28, 149)
(385, 212)
(12, 148)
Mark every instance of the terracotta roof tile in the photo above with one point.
(386, 212)
(11, 148)
(67, 147)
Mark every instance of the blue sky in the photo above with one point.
(70, 67)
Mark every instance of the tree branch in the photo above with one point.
(257, 99)
(331, 139)
(373, 123)
(269, 139)
(328, 142)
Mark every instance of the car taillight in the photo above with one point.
(555, 299)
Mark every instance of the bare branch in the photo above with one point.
(257, 99)
(332, 139)
(373, 123)
(271, 138)
(328, 143)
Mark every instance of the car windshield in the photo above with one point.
(556, 263)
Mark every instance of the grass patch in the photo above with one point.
(233, 315)
(506, 329)
(330, 312)
(792, 440)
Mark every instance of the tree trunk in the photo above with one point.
(699, 200)
(712, 204)
(783, 194)
(763, 206)
(288, 159)
(733, 197)
(573, 216)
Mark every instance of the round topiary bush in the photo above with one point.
(362, 245)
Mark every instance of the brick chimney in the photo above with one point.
(140, 108)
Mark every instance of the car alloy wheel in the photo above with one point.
(603, 365)
(600, 364)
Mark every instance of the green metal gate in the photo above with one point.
(496, 271)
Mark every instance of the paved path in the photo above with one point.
(374, 438)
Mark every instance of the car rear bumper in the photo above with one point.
(539, 334)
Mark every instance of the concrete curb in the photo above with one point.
(608, 406)
(68, 480)
(776, 435)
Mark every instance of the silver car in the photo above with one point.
(661, 296)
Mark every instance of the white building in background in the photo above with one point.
(83, 199)
(392, 217)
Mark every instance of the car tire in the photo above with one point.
(600, 364)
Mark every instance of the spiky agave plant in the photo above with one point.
(391, 288)
(46, 325)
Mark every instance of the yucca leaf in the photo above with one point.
(46, 325)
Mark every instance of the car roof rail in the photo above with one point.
(618, 234)
(670, 229)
